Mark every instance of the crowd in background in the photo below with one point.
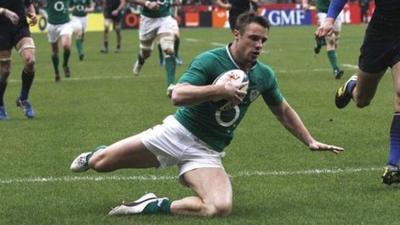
(99, 5)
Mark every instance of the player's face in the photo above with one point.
(251, 42)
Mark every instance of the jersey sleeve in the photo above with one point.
(335, 7)
(198, 70)
(272, 95)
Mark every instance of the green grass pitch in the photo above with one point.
(276, 179)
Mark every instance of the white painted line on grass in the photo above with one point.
(218, 44)
(191, 40)
(149, 76)
(350, 66)
(157, 178)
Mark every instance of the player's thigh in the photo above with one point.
(212, 185)
(5, 64)
(126, 153)
(167, 42)
(107, 23)
(367, 84)
(396, 84)
(53, 33)
(66, 33)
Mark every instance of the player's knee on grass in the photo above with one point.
(218, 208)
(330, 42)
(167, 44)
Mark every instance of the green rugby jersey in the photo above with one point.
(164, 10)
(57, 11)
(323, 5)
(206, 120)
(80, 7)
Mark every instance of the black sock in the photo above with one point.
(27, 80)
(3, 86)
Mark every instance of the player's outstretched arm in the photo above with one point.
(292, 122)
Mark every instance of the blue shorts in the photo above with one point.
(381, 47)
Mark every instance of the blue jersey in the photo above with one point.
(385, 10)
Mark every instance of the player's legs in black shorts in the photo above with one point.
(10, 36)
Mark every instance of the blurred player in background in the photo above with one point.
(379, 51)
(112, 11)
(330, 40)
(194, 137)
(237, 7)
(156, 23)
(59, 32)
(177, 42)
(14, 32)
(80, 9)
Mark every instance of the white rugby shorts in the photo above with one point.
(173, 144)
(79, 23)
(55, 31)
(150, 28)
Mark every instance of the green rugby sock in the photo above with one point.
(176, 47)
(79, 46)
(170, 68)
(333, 59)
(158, 207)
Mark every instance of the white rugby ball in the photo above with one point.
(235, 76)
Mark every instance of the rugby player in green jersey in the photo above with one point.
(331, 40)
(156, 22)
(80, 9)
(59, 31)
(194, 137)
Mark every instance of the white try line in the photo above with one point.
(240, 174)
(73, 79)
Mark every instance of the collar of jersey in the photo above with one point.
(233, 61)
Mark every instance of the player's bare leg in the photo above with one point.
(5, 63)
(26, 48)
(55, 60)
(66, 45)
(391, 172)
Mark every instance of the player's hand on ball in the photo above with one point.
(318, 146)
(233, 92)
